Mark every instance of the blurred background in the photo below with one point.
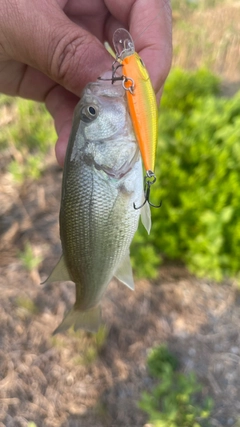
(168, 354)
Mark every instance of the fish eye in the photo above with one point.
(89, 113)
(92, 111)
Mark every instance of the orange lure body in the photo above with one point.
(141, 99)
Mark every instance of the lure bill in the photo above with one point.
(141, 100)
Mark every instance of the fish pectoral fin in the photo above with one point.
(124, 273)
(59, 273)
(88, 320)
(146, 217)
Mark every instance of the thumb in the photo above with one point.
(39, 34)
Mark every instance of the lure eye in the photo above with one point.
(89, 113)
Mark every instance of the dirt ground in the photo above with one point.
(60, 381)
(51, 380)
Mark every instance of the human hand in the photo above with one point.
(50, 49)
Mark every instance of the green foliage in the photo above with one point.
(144, 259)
(159, 358)
(184, 4)
(29, 131)
(198, 170)
(30, 126)
(191, 5)
(90, 352)
(94, 344)
(26, 305)
(100, 337)
(31, 168)
(87, 357)
(184, 90)
(87, 346)
(174, 400)
(29, 260)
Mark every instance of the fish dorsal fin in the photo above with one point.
(88, 320)
(124, 273)
(146, 217)
(59, 273)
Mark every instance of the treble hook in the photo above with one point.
(122, 78)
(149, 180)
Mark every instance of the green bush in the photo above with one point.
(30, 127)
(160, 359)
(29, 131)
(198, 177)
(174, 401)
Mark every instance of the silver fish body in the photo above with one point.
(102, 179)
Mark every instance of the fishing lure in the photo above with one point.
(141, 102)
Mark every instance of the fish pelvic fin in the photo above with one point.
(59, 273)
(88, 320)
(124, 272)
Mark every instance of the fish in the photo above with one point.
(141, 97)
(102, 179)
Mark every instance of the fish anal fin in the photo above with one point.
(59, 273)
(146, 217)
(124, 273)
(88, 320)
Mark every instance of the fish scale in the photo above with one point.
(91, 256)
(102, 179)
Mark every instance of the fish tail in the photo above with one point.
(88, 320)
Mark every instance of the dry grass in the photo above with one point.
(209, 38)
